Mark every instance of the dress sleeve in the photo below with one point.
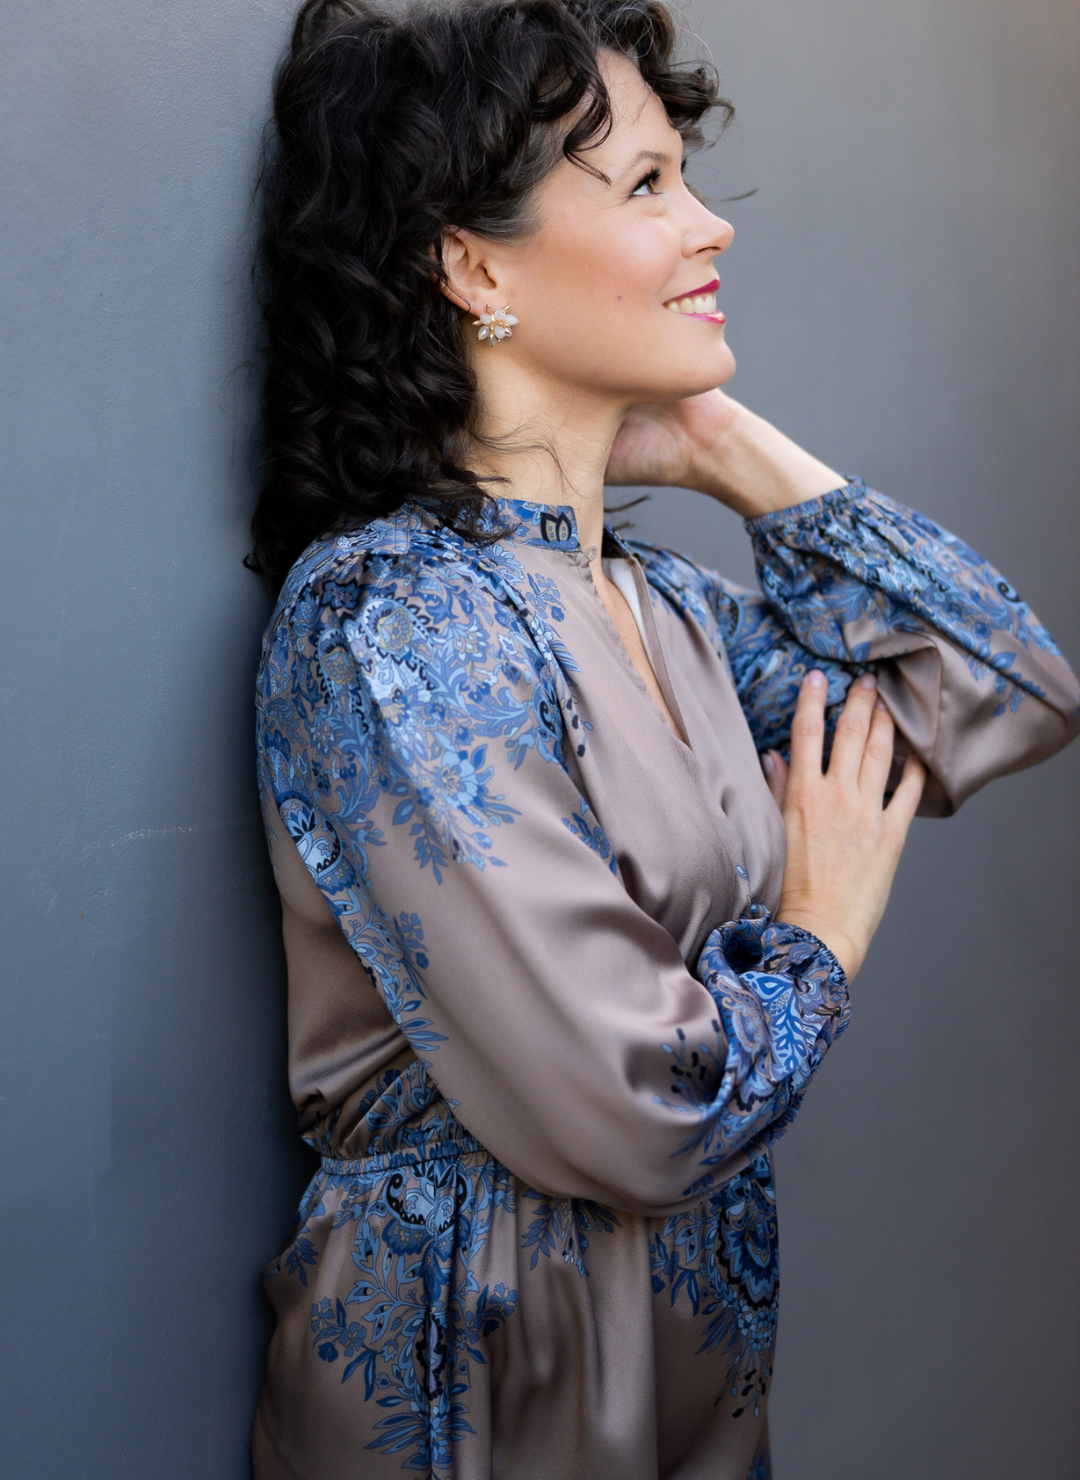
(412, 745)
(852, 581)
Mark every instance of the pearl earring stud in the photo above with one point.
(495, 326)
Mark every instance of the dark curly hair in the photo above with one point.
(390, 127)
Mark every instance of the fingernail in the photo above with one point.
(868, 681)
(768, 765)
(879, 704)
(816, 679)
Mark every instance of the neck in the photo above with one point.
(551, 443)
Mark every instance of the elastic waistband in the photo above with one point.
(415, 1156)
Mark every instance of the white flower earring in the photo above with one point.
(495, 326)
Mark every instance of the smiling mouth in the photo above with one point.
(700, 304)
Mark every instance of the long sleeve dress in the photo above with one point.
(542, 1241)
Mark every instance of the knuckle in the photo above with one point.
(857, 695)
(807, 724)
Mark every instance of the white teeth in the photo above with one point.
(700, 303)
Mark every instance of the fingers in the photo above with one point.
(906, 797)
(877, 756)
(776, 774)
(808, 725)
(852, 729)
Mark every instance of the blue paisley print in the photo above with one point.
(426, 669)
(849, 555)
(781, 1000)
(564, 1224)
(412, 1322)
(418, 694)
(721, 1257)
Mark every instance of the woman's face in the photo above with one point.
(615, 293)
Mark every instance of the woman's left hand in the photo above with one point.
(665, 444)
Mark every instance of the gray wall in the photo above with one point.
(148, 1159)
(903, 296)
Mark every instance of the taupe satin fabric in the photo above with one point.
(551, 976)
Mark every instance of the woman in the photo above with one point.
(560, 968)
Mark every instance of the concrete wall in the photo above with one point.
(903, 296)
(148, 1161)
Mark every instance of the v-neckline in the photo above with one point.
(654, 652)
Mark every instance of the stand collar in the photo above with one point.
(551, 526)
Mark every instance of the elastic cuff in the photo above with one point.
(809, 511)
(796, 932)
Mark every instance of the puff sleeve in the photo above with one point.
(851, 581)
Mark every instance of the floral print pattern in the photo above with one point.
(826, 566)
(412, 1323)
(434, 739)
(721, 1257)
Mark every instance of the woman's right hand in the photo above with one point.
(843, 843)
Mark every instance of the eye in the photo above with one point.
(645, 185)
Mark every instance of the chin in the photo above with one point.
(722, 369)
(707, 373)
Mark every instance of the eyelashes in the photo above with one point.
(648, 179)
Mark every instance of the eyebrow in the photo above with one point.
(653, 154)
(656, 155)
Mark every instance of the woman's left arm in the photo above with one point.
(851, 580)
(974, 682)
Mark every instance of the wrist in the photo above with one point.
(753, 468)
(838, 941)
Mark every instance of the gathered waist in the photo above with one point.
(436, 1149)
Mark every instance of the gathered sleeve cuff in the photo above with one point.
(782, 999)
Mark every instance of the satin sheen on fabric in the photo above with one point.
(563, 1029)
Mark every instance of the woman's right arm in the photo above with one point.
(413, 753)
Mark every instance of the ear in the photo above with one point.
(470, 276)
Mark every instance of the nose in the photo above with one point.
(709, 233)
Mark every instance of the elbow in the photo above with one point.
(651, 1191)
(1013, 741)
(648, 1189)
(644, 1166)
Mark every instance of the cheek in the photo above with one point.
(643, 266)
(583, 273)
